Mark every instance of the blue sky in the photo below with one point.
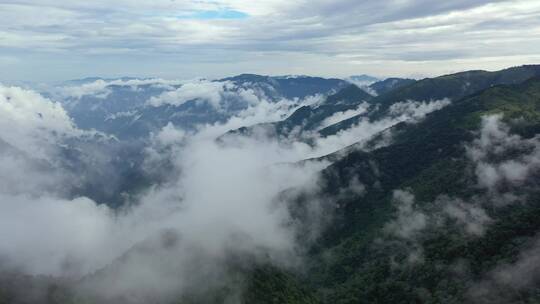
(51, 40)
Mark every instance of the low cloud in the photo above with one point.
(33, 124)
(471, 217)
(409, 220)
(203, 90)
(492, 154)
(100, 88)
(218, 94)
(178, 235)
(509, 281)
(341, 116)
(365, 129)
(416, 110)
(413, 220)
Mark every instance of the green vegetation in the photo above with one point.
(357, 260)
(454, 86)
(428, 159)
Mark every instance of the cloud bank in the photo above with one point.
(184, 232)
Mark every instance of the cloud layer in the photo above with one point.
(187, 38)
(175, 235)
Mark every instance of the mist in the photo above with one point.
(215, 203)
(207, 208)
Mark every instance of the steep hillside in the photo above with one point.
(453, 87)
(437, 208)
(309, 118)
(432, 226)
(390, 84)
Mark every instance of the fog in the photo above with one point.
(217, 202)
(212, 209)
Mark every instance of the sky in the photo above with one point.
(53, 40)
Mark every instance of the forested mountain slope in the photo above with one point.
(450, 209)
(437, 208)
(453, 87)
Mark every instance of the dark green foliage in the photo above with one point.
(268, 285)
(357, 261)
(390, 84)
(349, 95)
(454, 86)
(429, 159)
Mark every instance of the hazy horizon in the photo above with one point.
(181, 79)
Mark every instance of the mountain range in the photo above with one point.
(427, 190)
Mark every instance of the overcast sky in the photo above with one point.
(50, 40)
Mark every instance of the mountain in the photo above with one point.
(432, 224)
(453, 87)
(431, 162)
(132, 108)
(439, 206)
(311, 117)
(289, 87)
(350, 95)
(389, 84)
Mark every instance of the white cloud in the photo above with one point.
(471, 217)
(508, 281)
(314, 37)
(496, 142)
(97, 88)
(410, 220)
(224, 94)
(54, 236)
(340, 116)
(417, 110)
(100, 88)
(203, 90)
(201, 215)
(365, 129)
(32, 123)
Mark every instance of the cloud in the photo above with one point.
(409, 221)
(509, 281)
(358, 134)
(412, 220)
(53, 236)
(214, 215)
(221, 95)
(365, 129)
(97, 88)
(384, 37)
(210, 226)
(31, 123)
(505, 165)
(471, 217)
(341, 116)
(178, 236)
(493, 154)
(100, 88)
(415, 110)
(203, 90)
